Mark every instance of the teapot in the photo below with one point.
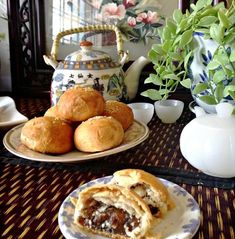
(92, 68)
(208, 141)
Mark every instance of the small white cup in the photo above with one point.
(169, 110)
(142, 111)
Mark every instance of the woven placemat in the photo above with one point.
(30, 201)
(176, 175)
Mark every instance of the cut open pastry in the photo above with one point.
(112, 211)
(148, 187)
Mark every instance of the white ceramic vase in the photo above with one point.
(205, 49)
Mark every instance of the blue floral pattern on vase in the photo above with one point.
(197, 68)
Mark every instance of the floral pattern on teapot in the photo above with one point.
(110, 84)
(93, 68)
(89, 68)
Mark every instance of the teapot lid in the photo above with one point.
(222, 120)
(88, 54)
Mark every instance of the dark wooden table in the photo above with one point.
(31, 192)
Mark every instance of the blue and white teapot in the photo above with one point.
(92, 68)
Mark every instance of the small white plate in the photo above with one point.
(9, 116)
(136, 134)
(180, 223)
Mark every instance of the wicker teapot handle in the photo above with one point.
(55, 45)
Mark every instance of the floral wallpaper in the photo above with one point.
(138, 20)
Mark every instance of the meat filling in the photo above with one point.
(108, 218)
(146, 193)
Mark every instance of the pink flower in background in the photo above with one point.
(149, 17)
(131, 21)
(133, 2)
(111, 10)
(129, 3)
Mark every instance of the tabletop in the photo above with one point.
(31, 193)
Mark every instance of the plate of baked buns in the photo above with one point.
(131, 203)
(81, 126)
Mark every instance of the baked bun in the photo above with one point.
(52, 112)
(148, 187)
(80, 103)
(112, 211)
(98, 134)
(47, 135)
(120, 111)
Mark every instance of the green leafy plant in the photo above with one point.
(172, 55)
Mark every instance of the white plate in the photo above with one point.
(136, 134)
(180, 223)
(9, 116)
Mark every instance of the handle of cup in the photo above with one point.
(55, 45)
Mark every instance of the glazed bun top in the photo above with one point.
(120, 111)
(47, 135)
(98, 134)
(80, 103)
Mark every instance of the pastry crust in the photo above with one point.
(98, 134)
(47, 135)
(52, 112)
(119, 198)
(151, 189)
(120, 111)
(80, 103)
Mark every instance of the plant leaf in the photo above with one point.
(202, 4)
(186, 38)
(209, 99)
(171, 76)
(216, 32)
(177, 15)
(223, 19)
(232, 94)
(153, 79)
(171, 25)
(158, 49)
(166, 45)
(153, 56)
(164, 92)
(232, 55)
(219, 92)
(186, 83)
(213, 65)
(200, 87)
(152, 94)
(206, 21)
(186, 59)
(227, 89)
(218, 76)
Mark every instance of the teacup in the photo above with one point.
(169, 110)
(142, 111)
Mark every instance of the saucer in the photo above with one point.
(9, 116)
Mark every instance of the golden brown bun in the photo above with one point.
(52, 112)
(158, 195)
(118, 197)
(98, 133)
(120, 111)
(79, 104)
(47, 135)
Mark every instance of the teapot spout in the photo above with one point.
(132, 76)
